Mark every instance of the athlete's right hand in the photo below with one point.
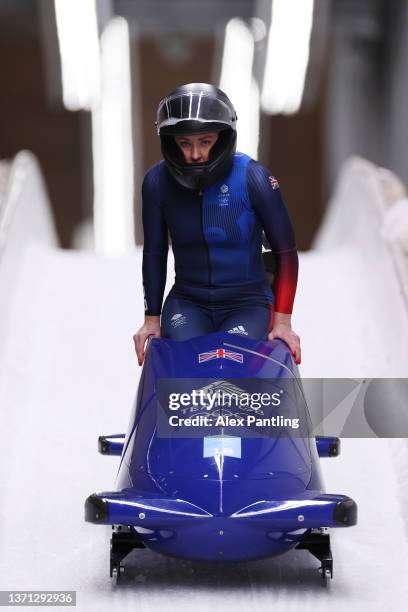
(151, 327)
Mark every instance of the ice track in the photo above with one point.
(69, 374)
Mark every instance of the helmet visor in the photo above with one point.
(195, 107)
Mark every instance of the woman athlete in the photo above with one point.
(215, 203)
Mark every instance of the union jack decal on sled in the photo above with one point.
(220, 353)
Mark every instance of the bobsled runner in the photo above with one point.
(219, 462)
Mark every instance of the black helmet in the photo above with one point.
(190, 109)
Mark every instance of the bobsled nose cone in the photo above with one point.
(96, 510)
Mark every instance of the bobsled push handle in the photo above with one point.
(111, 445)
(328, 446)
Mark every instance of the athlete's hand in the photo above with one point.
(151, 327)
(282, 329)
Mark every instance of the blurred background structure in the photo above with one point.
(313, 82)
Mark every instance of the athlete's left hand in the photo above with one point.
(282, 329)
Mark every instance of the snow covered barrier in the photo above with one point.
(365, 234)
(25, 218)
(369, 212)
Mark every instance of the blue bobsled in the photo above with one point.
(207, 472)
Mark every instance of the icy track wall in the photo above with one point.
(353, 288)
(25, 218)
(369, 212)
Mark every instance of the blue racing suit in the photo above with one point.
(221, 282)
